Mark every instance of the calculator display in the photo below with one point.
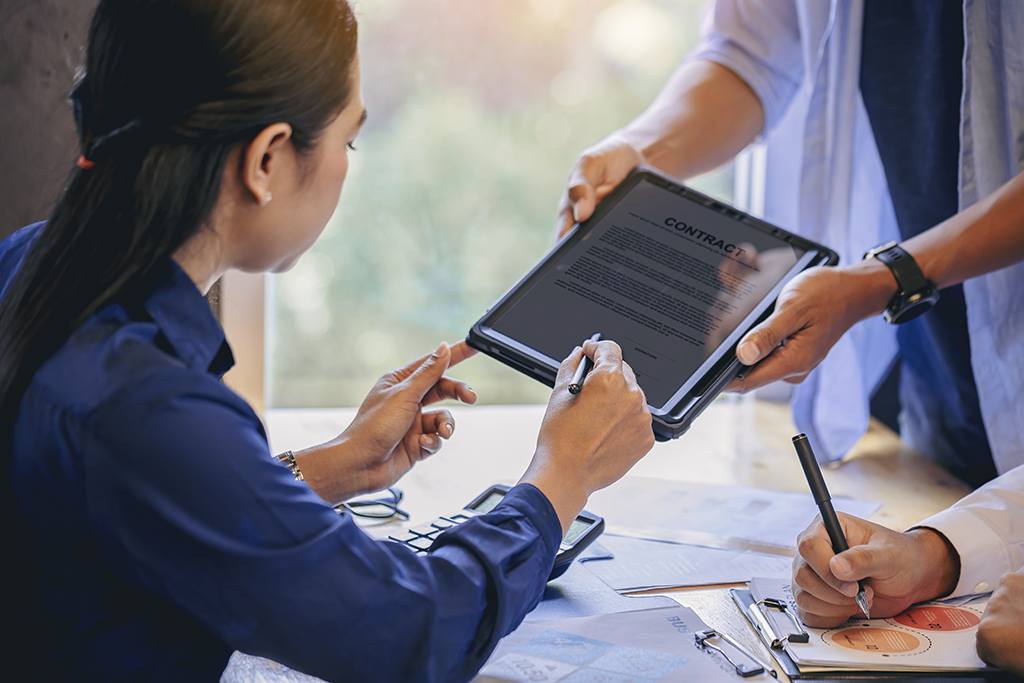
(575, 531)
(489, 503)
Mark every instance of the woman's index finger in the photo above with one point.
(460, 352)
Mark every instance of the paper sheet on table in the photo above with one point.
(731, 517)
(638, 565)
(628, 647)
(929, 636)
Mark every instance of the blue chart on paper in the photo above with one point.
(555, 655)
(565, 647)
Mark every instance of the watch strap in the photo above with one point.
(904, 268)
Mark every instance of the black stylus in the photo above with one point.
(828, 513)
(576, 385)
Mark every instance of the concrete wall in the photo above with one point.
(42, 42)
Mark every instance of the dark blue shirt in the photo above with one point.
(911, 81)
(159, 534)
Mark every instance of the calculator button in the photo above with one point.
(442, 523)
(403, 536)
(458, 519)
(423, 530)
(420, 543)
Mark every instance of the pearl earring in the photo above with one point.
(267, 198)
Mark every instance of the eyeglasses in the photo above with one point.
(385, 506)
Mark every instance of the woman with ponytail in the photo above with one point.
(153, 531)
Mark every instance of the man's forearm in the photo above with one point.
(703, 116)
(983, 238)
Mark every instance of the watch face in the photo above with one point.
(905, 311)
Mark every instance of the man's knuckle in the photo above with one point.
(802, 599)
(801, 572)
(649, 439)
(984, 643)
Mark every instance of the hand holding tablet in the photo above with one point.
(673, 276)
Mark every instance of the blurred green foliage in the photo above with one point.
(477, 111)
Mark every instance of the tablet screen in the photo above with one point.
(674, 282)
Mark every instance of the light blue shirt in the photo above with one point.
(802, 59)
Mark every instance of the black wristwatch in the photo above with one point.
(916, 292)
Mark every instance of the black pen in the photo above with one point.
(828, 513)
(576, 385)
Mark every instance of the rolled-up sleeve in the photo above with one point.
(987, 529)
(187, 503)
(759, 40)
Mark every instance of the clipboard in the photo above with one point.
(773, 628)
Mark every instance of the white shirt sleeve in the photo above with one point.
(759, 41)
(987, 530)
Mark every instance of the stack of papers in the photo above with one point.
(667, 534)
(635, 564)
(728, 517)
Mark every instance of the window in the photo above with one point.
(477, 111)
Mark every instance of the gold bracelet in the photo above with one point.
(288, 458)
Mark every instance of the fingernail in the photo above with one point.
(576, 212)
(747, 352)
(842, 569)
(849, 589)
(451, 428)
(440, 348)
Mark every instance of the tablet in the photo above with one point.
(675, 277)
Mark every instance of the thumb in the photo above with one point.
(766, 337)
(861, 562)
(429, 372)
(582, 200)
(568, 366)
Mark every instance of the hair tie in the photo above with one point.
(104, 146)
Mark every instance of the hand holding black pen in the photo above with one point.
(828, 514)
(576, 385)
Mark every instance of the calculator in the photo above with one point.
(582, 532)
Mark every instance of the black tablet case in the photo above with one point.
(715, 380)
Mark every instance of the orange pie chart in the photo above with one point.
(877, 640)
(938, 618)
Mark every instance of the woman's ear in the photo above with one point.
(263, 161)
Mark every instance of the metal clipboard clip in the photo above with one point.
(742, 668)
(767, 626)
